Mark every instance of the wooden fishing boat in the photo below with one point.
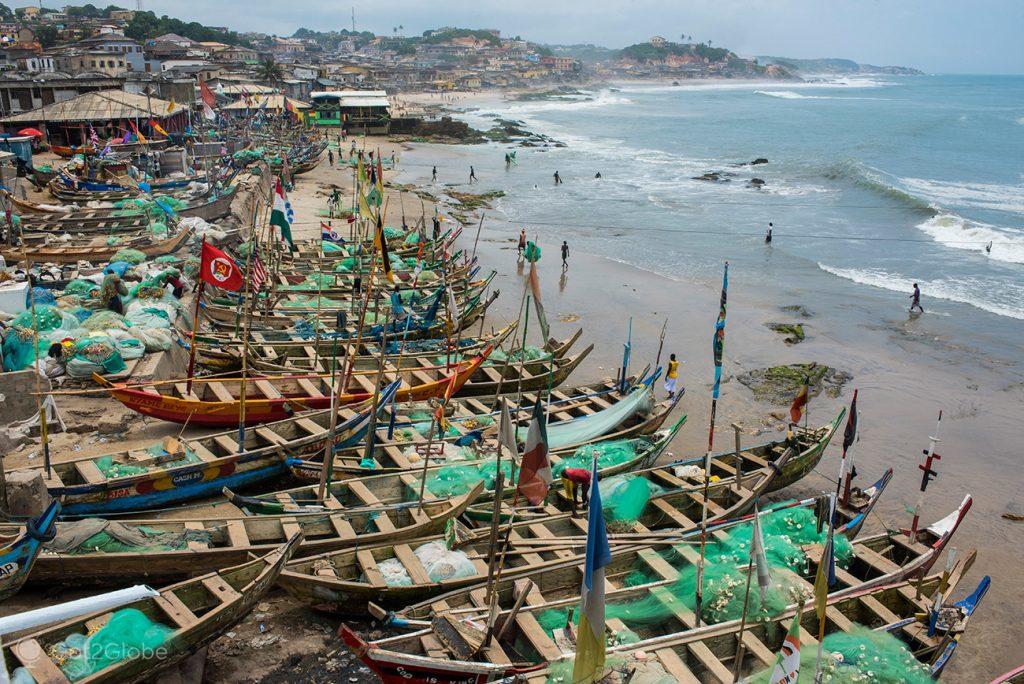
(207, 207)
(217, 402)
(341, 286)
(199, 610)
(20, 547)
(634, 414)
(397, 488)
(267, 353)
(489, 379)
(96, 249)
(174, 471)
(189, 546)
(551, 553)
(707, 653)
(122, 148)
(311, 252)
(413, 328)
(877, 559)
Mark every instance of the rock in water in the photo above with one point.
(779, 384)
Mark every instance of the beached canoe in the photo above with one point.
(175, 471)
(197, 610)
(551, 553)
(217, 402)
(623, 417)
(97, 551)
(20, 547)
(96, 249)
(676, 648)
(267, 352)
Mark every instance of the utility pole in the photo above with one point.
(353, 18)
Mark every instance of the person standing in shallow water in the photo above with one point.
(522, 243)
(565, 255)
(916, 297)
(558, 179)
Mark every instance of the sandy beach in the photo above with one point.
(905, 371)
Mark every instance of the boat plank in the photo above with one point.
(42, 669)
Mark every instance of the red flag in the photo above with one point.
(258, 274)
(796, 411)
(535, 471)
(219, 269)
(209, 99)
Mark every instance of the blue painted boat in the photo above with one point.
(19, 554)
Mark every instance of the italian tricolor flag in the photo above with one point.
(281, 215)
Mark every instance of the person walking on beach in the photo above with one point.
(472, 175)
(522, 243)
(508, 161)
(433, 175)
(558, 179)
(916, 297)
(768, 235)
(565, 255)
(330, 158)
(672, 376)
(988, 247)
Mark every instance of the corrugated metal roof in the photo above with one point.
(364, 102)
(99, 105)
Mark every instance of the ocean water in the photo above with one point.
(872, 184)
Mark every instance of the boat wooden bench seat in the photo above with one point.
(310, 427)
(268, 390)
(290, 526)
(202, 453)
(370, 570)
(42, 668)
(90, 473)
(270, 436)
(221, 589)
(176, 610)
(309, 388)
(675, 666)
(364, 383)
(229, 445)
(363, 493)
(411, 562)
(237, 536)
(182, 389)
(221, 392)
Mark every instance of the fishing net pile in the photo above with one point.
(128, 633)
(92, 535)
(611, 453)
(624, 497)
(859, 656)
(785, 531)
(528, 353)
(439, 562)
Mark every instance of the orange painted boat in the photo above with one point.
(217, 403)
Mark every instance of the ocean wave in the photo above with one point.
(960, 233)
(790, 95)
(877, 181)
(603, 98)
(964, 291)
(992, 196)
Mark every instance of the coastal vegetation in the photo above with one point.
(146, 25)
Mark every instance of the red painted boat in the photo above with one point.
(217, 402)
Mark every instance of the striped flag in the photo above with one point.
(718, 339)
(589, 663)
(281, 215)
(787, 664)
(826, 576)
(381, 242)
(796, 410)
(258, 274)
(535, 472)
(764, 577)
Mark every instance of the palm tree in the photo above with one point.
(269, 70)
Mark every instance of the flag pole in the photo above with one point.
(849, 438)
(738, 660)
(661, 343)
(195, 324)
(926, 476)
(826, 557)
(247, 305)
(44, 433)
(718, 349)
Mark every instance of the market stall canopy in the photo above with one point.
(99, 105)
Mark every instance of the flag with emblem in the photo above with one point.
(217, 268)
(282, 215)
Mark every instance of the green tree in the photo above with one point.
(269, 70)
(6, 14)
(46, 34)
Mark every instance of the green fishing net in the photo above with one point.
(47, 318)
(530, 353)
(624, 497)
(80, 287)
(454, 480)
(784, 531)
(345, 265)
(611, 453)
(132, 256)
(860, 655)
(129, 633)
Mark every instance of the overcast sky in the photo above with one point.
(965, 36)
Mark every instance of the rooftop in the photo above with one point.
(100, 105)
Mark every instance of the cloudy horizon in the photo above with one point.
(945, 36)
